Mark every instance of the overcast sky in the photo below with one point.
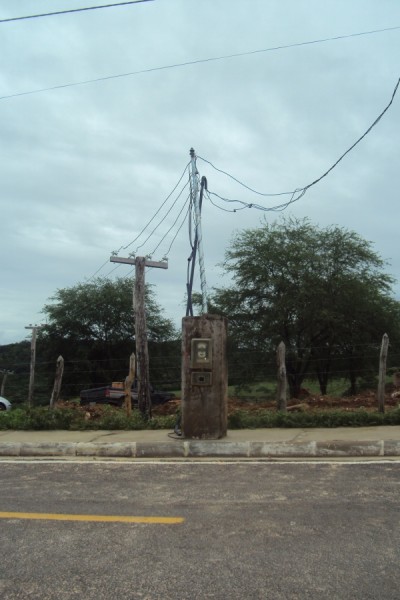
(84, 168)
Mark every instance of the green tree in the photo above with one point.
(16, 358)
(92, 326)
(323, 292)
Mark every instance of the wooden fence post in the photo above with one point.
(282, 381)
(128, 385)
(57, 381)
(382, 373)
(35, 329)
(3, 383)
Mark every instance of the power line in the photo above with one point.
(359, 139)
(158, 210)
(163, 219)
(99, 269)
(173, 225)
(73, 10)
(241, 182)
(178, 230)
(198, 61)
(144, 228)
(298, 192)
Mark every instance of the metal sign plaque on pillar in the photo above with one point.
(204, 377)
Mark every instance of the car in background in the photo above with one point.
(4, 404)
(114, 394)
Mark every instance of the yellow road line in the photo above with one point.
(97, 518)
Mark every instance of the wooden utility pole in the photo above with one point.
(382, 373)
(57, 381)
(34, 329)
(282, 381)
(142, 352)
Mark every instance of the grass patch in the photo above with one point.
(45, 419)
(241, 419)
(39, 418)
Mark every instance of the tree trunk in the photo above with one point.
(294, 381)
(323, 379)
(353, 382)
(296, 371)
(382, 373)
(282, 381)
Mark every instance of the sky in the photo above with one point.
(85, 168)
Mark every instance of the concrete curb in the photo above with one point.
(202, 449)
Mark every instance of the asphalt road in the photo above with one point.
(260, 531)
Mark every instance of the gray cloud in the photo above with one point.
(84, 168)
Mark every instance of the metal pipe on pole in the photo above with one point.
(194, 187)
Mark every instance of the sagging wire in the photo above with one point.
(124, 247)
(173, 225)
(163, 219)
(297, 193)
(156, 213)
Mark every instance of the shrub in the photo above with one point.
(44, 418)
(14, 419)
(241, 419)
(38, 418)
(162, 422)
(116, 419)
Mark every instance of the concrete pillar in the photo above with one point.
(204, 377)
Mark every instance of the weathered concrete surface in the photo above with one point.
(246, 443)
(204, 407)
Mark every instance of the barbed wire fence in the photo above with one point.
(252, 373)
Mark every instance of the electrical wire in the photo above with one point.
(173, 224)
(195, 62)
(178, 230)
(158, 210)
(142, 231)
(208, 194)
(163, 219)
(112, 270)
(298, 192)
(276, 208)
(98, 270)
(241, 182)
(72, 10)
(359, 139)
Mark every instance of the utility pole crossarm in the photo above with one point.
(132, 261)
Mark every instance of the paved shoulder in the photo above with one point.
(257, 443)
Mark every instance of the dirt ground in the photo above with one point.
(365, 401)
(308, 402)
